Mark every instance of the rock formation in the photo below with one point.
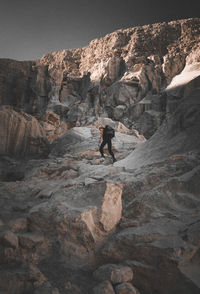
(121, 76)
(21, 134)
(73, 222)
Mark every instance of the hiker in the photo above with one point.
(107, 133)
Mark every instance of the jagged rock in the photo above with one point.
(104, 287)
(126, 288)
(114, 273)
(73, 89)
(29, 240)
(21, 134)
(94, 212)
(54, 126)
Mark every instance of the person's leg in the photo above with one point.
(110, 149)
(101, 148)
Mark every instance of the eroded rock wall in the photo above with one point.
(25, 85)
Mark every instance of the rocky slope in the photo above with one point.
(72, 222)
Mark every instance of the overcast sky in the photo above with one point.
(31, 28)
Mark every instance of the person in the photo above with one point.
(107, 133)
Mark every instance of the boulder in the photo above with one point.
(126, 288)
(81, 222)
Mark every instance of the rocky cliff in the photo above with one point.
(72, 222)
(121, 76)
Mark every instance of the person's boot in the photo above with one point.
(114, 159)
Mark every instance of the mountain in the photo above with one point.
(72, 222)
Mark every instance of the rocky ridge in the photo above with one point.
(72, 222)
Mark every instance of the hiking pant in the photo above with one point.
(107, 141)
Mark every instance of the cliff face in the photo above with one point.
(21, 134)
(109, 77)
(125, 67)
(24, 85)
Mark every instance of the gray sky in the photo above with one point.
(31, 28)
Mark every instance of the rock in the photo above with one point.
(29, 240)
(104, 287)
(46, 288)
(126, 288)
(19, 225)
(114, 273)
(111, 207)
(72, 137)
(20, 279)
(25, 131)
(25, 85)
(9, 239)
(119, 112)
(72, 289)
(54, 126)
(90, 217)
(74, 89)
(145, 200)
(84, 141)
(12, 284)
(110, 72)
(172, 136)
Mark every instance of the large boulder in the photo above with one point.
(79, 222)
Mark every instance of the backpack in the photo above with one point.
(109, 132)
